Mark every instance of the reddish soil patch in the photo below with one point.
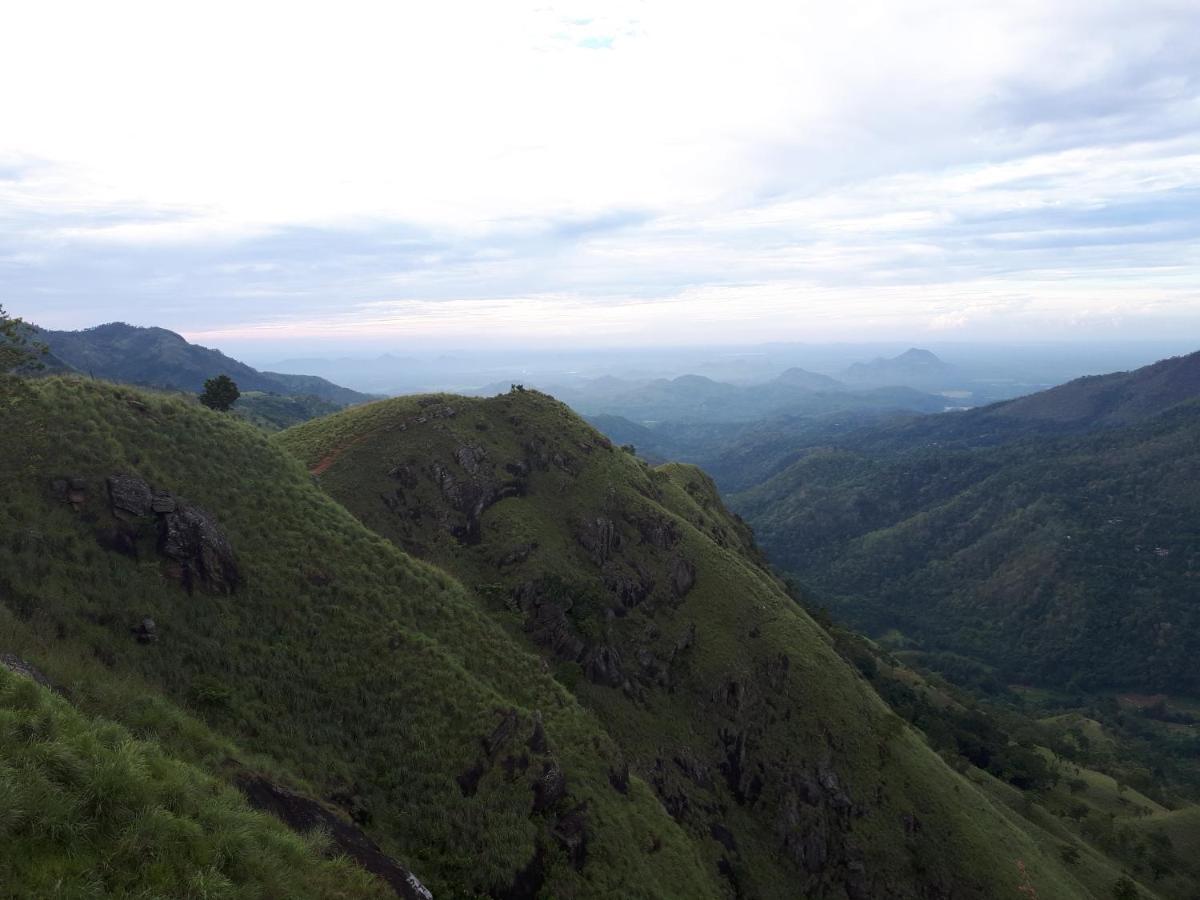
(331, 458)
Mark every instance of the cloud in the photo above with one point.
(781, 169)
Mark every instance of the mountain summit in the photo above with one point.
(915, 367)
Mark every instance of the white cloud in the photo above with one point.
(868, 154)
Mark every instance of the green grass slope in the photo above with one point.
(337, 665)
(647, 599)
(88, 810)
(1066, 560)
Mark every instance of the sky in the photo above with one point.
(399, 175)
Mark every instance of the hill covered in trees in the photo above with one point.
(1053, 536)
(156, 357)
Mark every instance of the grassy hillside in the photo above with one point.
(289, 641)
(647, 600)
(87, 809)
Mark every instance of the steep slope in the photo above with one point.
(1054, 559)
(648, 600)
(155, 357)
(85, 803)
(157, 557)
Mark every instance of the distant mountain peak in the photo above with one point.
(918, 354)
(914, 364)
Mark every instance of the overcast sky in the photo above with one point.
(258, 173)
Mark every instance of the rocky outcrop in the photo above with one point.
(471, 495)
(190, 536)
(682, 575)
(303, 814)
(658, 532)
(130, 494)
(599, 537)
(630, 589)
(546, 621)
(198, 553)
(602, 665)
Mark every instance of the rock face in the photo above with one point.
(130, 494)
(599, 537)
(304, 814)
(199, 553)
(191, 537)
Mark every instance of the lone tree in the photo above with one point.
(220, 393)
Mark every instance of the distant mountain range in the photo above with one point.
(155, 357)
(698, 399)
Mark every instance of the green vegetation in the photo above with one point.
(339, 665)
(1067, 561)
(599, 690)
(85, 808)
(273, 412)
(1067, 775)
(649, 601)
(220, 393)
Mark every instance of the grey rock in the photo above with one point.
(130, 494)
(599, 537)
(192, 538)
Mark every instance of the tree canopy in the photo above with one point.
(220, 393)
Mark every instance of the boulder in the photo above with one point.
(130, 494)
(192, 538)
